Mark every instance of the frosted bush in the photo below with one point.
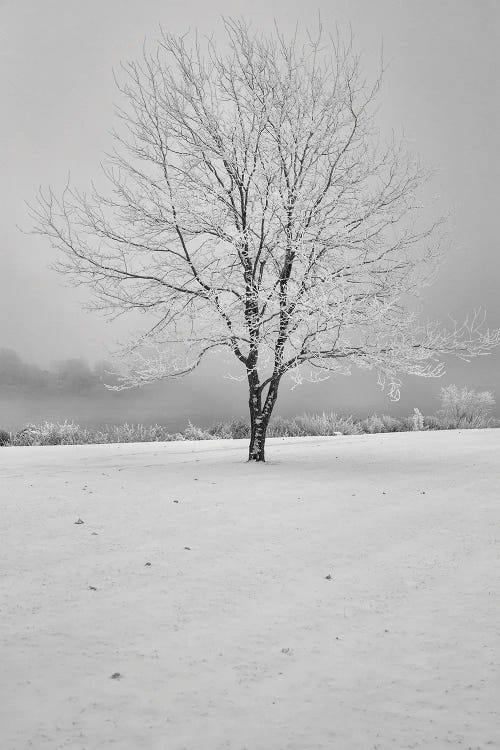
(193, 432)
(239, 428)
(4, 438)
(50, 433)
(417, 420)
(236, 429)
(68, 433)
(329, 424)
(376, 424)
(313, 424)
(391, 424)
(432, 423)
(372, 425)
(282, 427)
(462, 408)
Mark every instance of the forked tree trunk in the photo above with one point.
(258, 430)
(259, 420)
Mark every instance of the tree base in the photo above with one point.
(256, 450)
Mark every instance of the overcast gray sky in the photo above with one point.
(57, 90)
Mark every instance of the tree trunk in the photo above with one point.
(259, 419)
(257, 443)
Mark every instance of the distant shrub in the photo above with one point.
(239, 428)
(4, 438)
(313, 424)
(432, 423)
(68, 433)
(27, 436)
(329, 424)
(391, 424)
(193, 432)
(220, 430)
(375, 424)
(372, 425)
(236, 429)
(417, 420)
(134, 433)
(283, 427)
(51, 433)
(407, 424)
(462, 408)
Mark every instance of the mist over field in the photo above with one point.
(74, 390)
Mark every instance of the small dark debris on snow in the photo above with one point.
(285, 650)
(94, 533)
(92, 588)
(147, 565)
(116, 676)
(189, 548)
(176, 501)
(329, 577)
(423, 492)
(79, 521)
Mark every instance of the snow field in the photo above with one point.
(343, 596)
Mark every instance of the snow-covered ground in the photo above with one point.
(202, 583)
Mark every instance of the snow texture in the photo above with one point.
(341, 596)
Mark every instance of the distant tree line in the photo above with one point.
(71, 376)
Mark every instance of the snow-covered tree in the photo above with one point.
(464, 408)
(254, 208)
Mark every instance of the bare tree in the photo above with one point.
(254, 208)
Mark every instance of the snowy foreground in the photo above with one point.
(234, 637)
